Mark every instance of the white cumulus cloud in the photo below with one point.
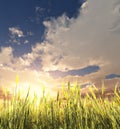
(87, 40)
(16, 31)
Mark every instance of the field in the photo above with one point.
(71, 109)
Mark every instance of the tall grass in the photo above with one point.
(69, 110)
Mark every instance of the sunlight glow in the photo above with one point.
(24, 88)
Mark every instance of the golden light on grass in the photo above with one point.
(67, 110)
(33, 87)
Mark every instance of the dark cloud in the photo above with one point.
(112, 76)
(75, 72)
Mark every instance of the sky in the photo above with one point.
(50, 42)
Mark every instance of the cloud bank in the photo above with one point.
(90, 39)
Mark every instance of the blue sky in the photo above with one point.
(47, 42)
(28, 16)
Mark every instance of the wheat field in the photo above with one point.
(69, 110)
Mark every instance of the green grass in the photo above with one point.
(66, 111)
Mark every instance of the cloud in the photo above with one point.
(26, 41)
(10, 66)
(112, 76)
(39, 13)
(39, 10)
(30, 33)
(16, 31)
(15, 34)
(76, 72)
(91, 39)
(87, 39)
(6, 55)
(9, 61)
